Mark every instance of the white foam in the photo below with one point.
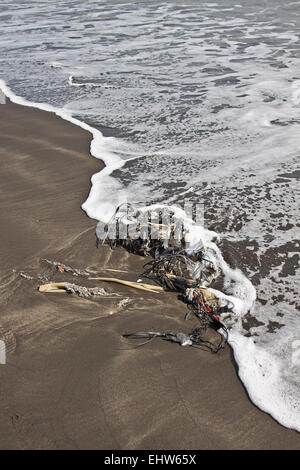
(243, 146)
(267, 382)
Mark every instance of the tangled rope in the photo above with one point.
(194, 339)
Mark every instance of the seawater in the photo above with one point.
(188, 101)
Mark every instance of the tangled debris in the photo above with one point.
(173, 268)
(168, 269)
(61, 267)
(195, 339)
(67, 287)
(71, 288)
(172, 271)
(68, 269)
(205, 306)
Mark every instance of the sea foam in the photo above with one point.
(212, 108)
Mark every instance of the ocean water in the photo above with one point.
(188, 101)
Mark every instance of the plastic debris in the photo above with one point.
(206, 307)
(173, 271)
(173, 267)
(25, 276)
(195, 338)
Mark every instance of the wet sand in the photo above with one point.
(71, 381)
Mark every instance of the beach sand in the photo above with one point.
(71, 381)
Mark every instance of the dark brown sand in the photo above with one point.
(70, 381)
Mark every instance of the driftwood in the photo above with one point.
(135, 285)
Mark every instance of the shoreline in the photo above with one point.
(77, 385)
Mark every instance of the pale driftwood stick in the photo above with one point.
(114, 270)
(135, 285)
(53, 287)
